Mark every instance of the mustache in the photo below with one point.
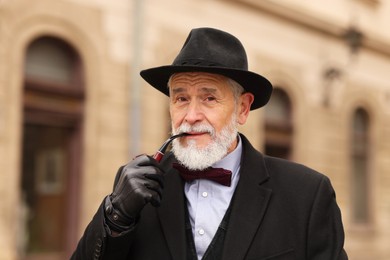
(196, 128)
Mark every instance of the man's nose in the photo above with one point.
(194, 113)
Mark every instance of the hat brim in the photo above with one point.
(254, 83)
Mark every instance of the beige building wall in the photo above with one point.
(291, 42)
(92, 33)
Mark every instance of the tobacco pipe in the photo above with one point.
(160, 153)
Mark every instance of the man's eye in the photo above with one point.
(210, 98)
(181, 99)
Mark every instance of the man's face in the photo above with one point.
(203, 105)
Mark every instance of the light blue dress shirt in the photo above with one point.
(208, 201)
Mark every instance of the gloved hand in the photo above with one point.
(141, 181)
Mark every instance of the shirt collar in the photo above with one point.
(232, 160)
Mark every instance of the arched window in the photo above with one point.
(360, 146)
(52, 152)
(52, 61)
(278, 125)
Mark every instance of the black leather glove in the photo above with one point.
(140, 182)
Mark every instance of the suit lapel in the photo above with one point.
(250, 203)
(172, 215)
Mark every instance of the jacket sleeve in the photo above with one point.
(325, 233)
(97, 243)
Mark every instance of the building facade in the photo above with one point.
(73, 107)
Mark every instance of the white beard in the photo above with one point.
(195, 158)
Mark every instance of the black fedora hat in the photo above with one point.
(213, 51)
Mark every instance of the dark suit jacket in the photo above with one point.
(281, 210)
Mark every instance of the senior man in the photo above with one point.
(213, 196)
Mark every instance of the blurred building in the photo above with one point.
(73, 107)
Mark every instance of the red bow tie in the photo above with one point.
(219, 175)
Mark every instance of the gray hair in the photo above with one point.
(236, 88)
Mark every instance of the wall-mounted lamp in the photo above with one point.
(332, 76)
(354, 38)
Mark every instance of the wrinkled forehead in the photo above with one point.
(197, 79)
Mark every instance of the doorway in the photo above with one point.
(52, 149)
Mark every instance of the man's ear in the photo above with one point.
(244, 106)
